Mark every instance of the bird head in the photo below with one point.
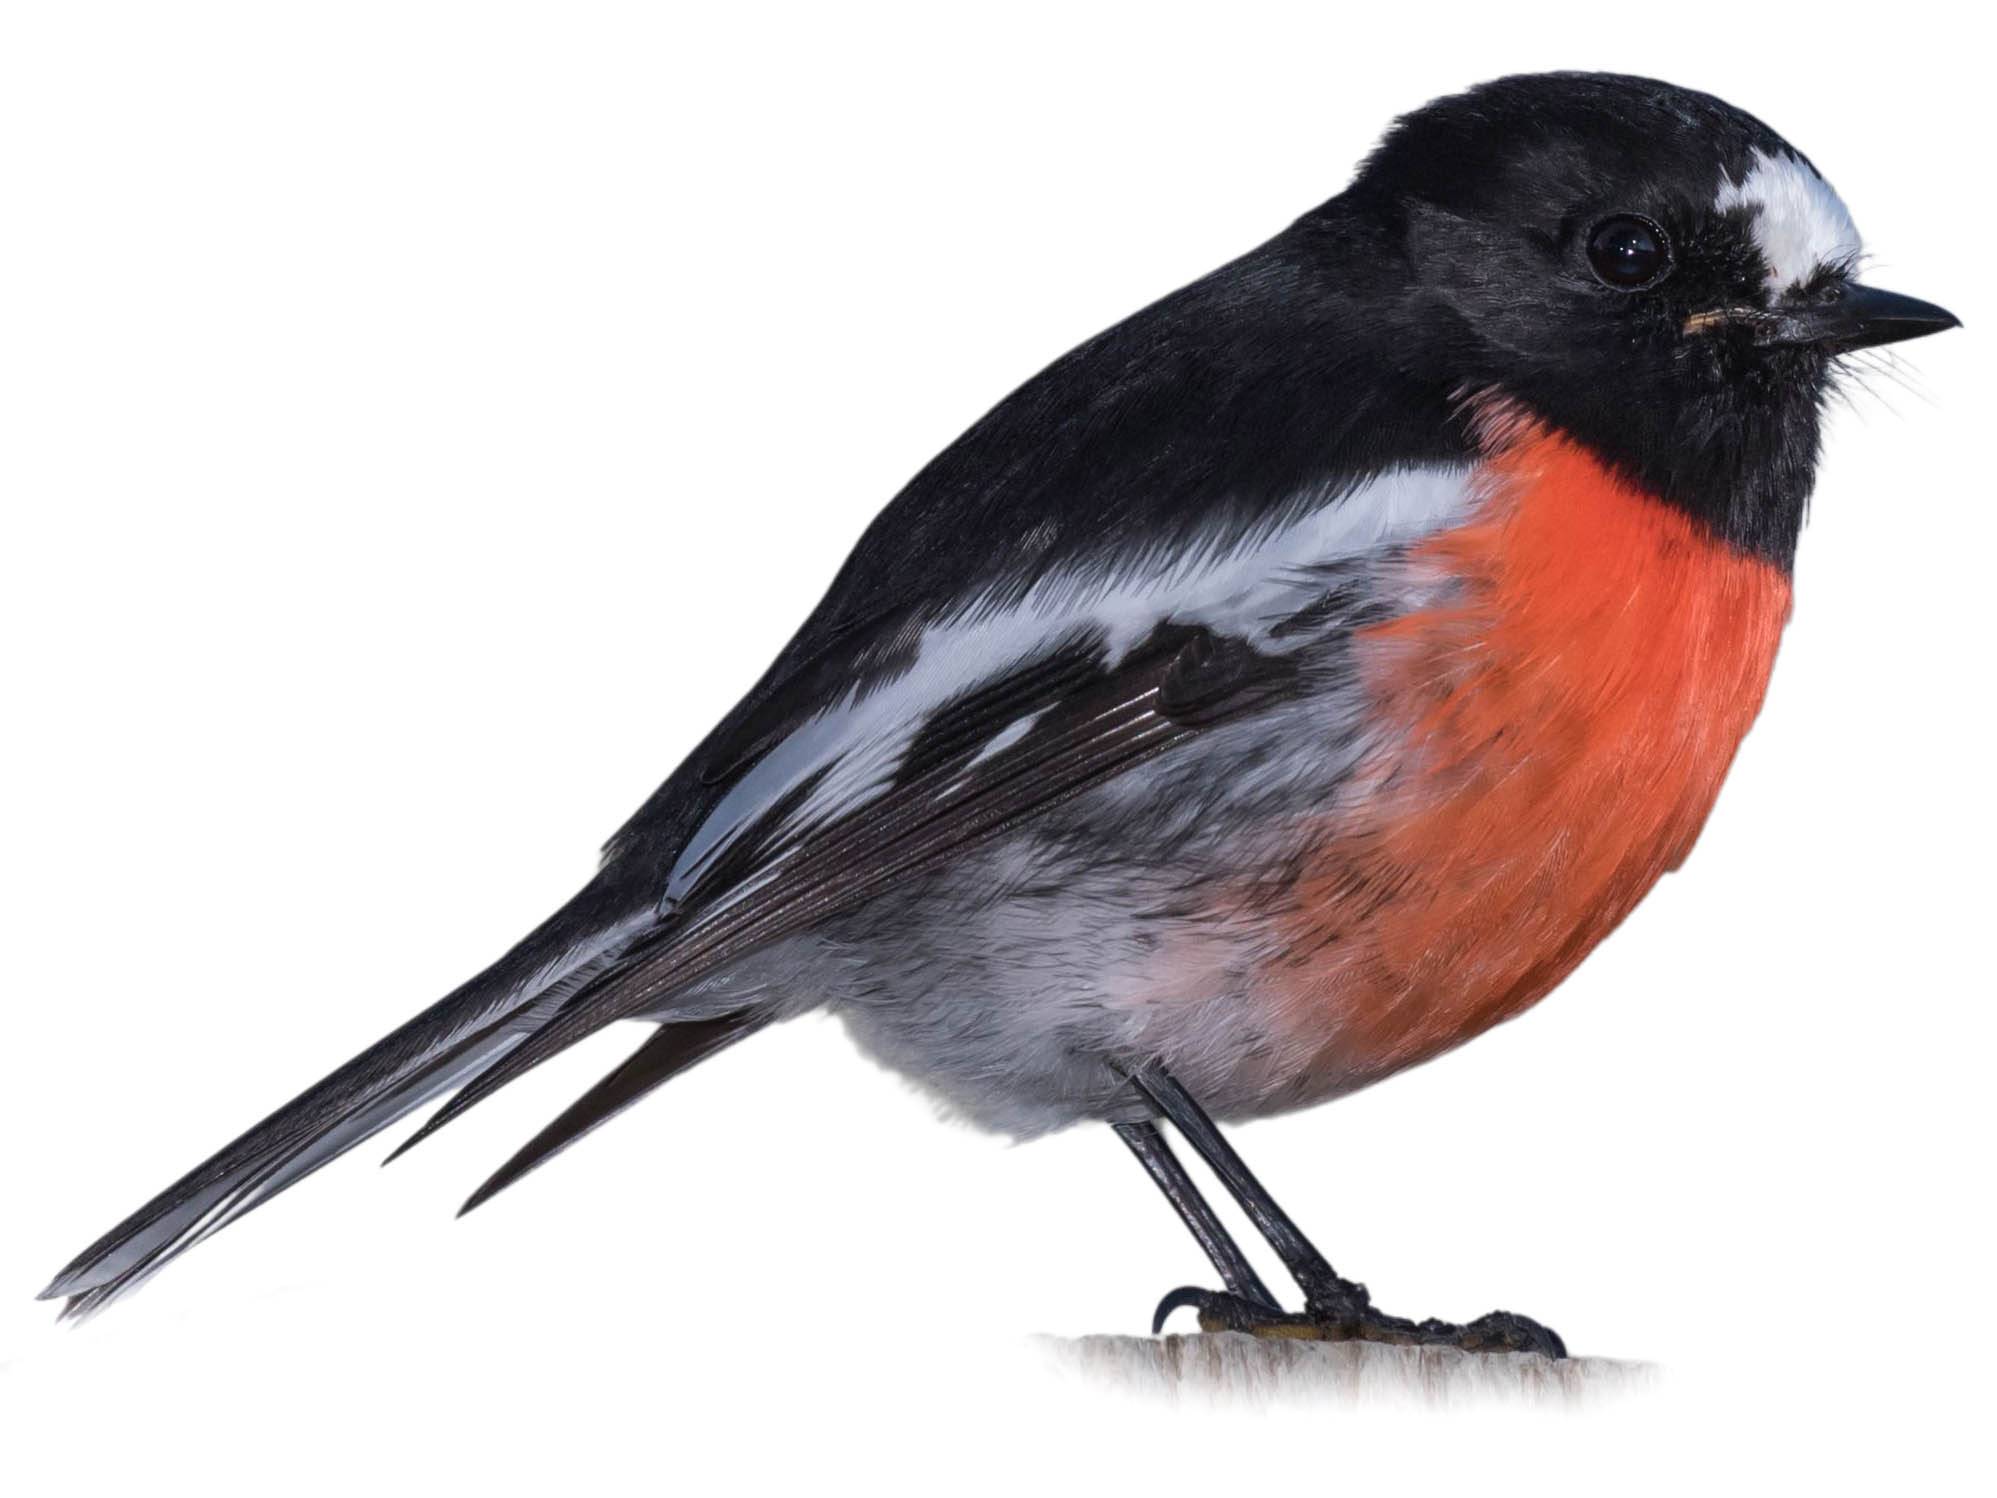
(1646, 268)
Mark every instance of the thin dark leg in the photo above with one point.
(1312, 1271)
(1155, 1154)
(1335, 1309)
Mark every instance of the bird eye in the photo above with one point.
(1628, 252)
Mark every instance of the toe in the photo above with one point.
(1503, 1331)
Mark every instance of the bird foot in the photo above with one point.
(1350, 1316)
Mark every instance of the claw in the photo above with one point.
(1224, 1311)
(1185, 1295)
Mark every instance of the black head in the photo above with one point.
(1642, 266)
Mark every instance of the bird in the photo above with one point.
(1276, 691)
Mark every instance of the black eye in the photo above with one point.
(1628, 252)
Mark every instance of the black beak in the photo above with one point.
(1852, 316)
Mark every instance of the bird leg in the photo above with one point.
(1148, 1143)
(1335, 1309)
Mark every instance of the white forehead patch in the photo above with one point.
(1799, 223)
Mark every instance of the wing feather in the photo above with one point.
(672, 1049)
(1178, 685)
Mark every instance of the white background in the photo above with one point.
(418, 423)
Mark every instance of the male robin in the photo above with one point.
(1281, 688)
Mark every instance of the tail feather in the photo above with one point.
(452, 1041)
(193, 1210)
(671, 1049)
(557, 1029)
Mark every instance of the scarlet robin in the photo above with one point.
(1283, 687)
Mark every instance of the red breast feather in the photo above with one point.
(1558, 732)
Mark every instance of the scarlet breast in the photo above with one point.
(1553, 737)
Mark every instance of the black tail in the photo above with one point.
(438, 1050)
